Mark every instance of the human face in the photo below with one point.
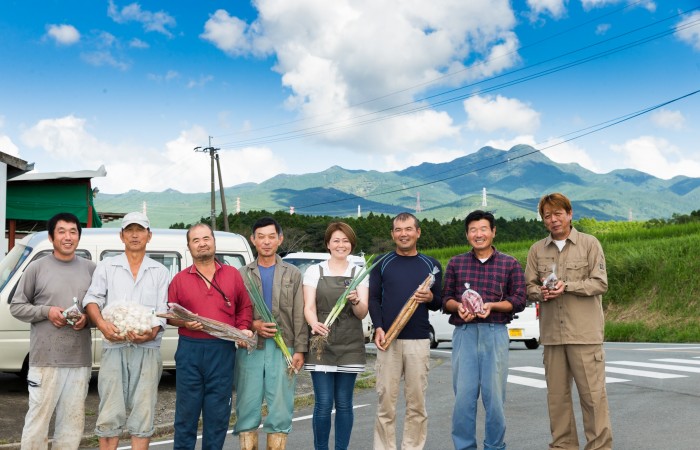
(266, 241)
(202, 244)
(339, 245)
(405, 234)
(135, 237)
(480, 236)
(557, 221)
(65, 240)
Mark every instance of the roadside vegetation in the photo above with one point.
(653, 277)
(653, 266)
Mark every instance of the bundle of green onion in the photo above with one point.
(318, 342)
(266, 316)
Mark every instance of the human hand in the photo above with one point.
(297, 361)
(194, 325)
(319, 328)
(145, 337)
(244, 344)
(81, 323)
(487, 311)
(379, 338)
(110, 331)
(264, 329)
(464, 314)
(551, 294)
(424, 295)
(56, 317)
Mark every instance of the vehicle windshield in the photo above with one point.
(303, 263)
(11, 262)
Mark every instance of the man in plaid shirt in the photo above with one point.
(480, 340)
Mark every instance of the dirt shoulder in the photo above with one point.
(14, 397)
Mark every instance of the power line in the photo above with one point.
(590, 130)
(442, 77)
(371, 116)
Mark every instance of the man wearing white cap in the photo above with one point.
(131, 364)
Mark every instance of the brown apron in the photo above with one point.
(346, 342)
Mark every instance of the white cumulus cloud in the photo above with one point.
(658, 157)
(339, 59)
(555, 8)
(488, 113)
(227, 33)
(670, 120)
(151, 21)
(130, 166)
(688, 31)
(63, 34)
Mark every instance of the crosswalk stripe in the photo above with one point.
(530, 369)
(540, 371)
(657, 366)
(643, 373)
(532, 382)
(677, 360)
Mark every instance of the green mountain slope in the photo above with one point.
(514, 181)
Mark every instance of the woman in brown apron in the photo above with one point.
(335, 368)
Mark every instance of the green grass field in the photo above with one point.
(653, 278)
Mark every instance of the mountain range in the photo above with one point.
(511, 182)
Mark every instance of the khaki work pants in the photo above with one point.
(408, 359)
(585, 364)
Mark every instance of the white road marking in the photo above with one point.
(171, 441)
(643, 373)
(540, 384)
(657, 366)
(540, 371)
(678, 360)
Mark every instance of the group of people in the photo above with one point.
(208, 368)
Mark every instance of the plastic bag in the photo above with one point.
(127, 316)
(73, 314)
(551, 281)
(472, 301)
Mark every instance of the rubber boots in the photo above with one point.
(248, 440)
(276, 441)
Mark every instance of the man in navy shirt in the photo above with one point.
(480, 341)
(392, 282)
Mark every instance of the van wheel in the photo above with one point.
(532, 344)
(24, 371)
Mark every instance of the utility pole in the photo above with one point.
(212, 151)
(221, 191)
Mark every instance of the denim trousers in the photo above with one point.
(479, 366)
(204, 384)
(333, 388)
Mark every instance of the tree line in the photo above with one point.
(305, 232)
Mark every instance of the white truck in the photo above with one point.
(168, 247)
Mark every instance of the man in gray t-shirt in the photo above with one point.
(60, 359)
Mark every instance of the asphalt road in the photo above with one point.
(653, 390)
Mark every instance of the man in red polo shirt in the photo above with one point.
(204, 363)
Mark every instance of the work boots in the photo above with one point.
(276, 441)
(249, 440)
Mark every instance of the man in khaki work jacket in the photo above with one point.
(264, 373)
(571, 324)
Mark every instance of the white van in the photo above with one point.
(168, 247)
(305, 259)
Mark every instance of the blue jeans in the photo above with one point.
(329, 388)
(204, 383)
(479, 365)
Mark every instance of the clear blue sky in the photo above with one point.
(300, 86)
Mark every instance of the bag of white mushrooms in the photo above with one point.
(127, 316)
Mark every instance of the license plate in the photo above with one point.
(515, 332)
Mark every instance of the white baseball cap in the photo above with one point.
(137, 218)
